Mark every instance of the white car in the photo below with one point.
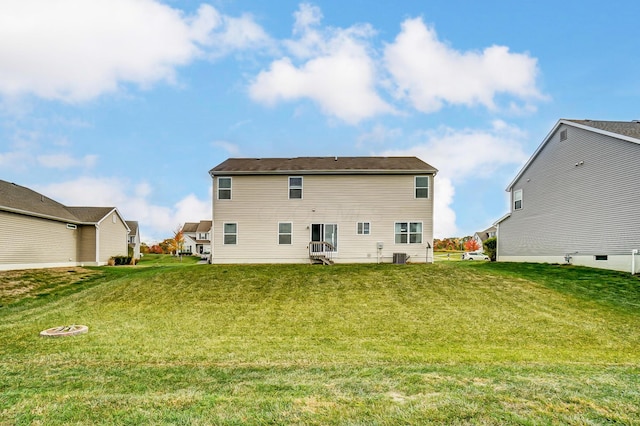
(474, 255)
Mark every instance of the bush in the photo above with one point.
(490, 245)
(121, 260)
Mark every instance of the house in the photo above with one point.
(481, 236)
(322, 209)
(197, 237)
(577, 200)
(38, 232)
(134, 239)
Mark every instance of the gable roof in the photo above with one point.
(323, 165)
(190, 227)
(484, 235)
(133, 226)
(22, 200)
(624, 130)
(204, 226)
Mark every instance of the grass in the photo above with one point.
(167, 259)
(455, 343)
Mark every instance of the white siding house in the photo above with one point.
(577, 199)
(330, 209)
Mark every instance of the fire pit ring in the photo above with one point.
(64, 330)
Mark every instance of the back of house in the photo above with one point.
(577, 199)
(322, 209)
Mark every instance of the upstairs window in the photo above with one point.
(422, 186)
(517, 199)
(295, 187)
(224, 188)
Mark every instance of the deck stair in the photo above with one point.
(321, 252)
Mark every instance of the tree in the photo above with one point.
(178, 240)
(471, 245)
(490, 248)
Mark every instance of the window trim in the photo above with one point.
(516, 199)
(416, 187)
(291, 187)
(290, 233)
(218, 188)
(365, 230)
(225, 233)
(408, 232)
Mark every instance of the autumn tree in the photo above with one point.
(471, 245)
(178, 240)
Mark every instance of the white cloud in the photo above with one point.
(430, 73)
(336, 70)
(231, 148)
(463, 157)
(66, 161)
(378, 135)
(133, 201)
(75, 50)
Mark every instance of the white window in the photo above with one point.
(408, 232)
(230, 233)
(517, 199)
(203, 235)
(285, 232)
(224, 188)
(114, 219)
(295, 187)
(363, 228)
(422, 186)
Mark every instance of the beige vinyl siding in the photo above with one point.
(261, 202)
(112, 238)
(87, 244)
(32, 241)
(579, 195)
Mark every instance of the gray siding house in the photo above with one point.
(577, 199)
(38, 232)
(322, 209)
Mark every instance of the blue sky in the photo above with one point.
(130, 102)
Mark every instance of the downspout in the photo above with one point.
(633, 261)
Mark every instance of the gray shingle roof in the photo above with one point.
(626, 128)
(190, 227)
(204, 226)
(23, 200)
(133, 226)
(320, 165)
(90, 214)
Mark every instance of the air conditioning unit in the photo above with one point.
(400, 258)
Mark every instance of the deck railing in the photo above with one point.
(318, 249)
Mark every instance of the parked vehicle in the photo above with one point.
(474, 255)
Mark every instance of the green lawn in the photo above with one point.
(452, 342)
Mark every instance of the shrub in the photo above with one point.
(490, 245)
(120, 260)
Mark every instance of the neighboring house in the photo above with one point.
(197, 237)
(189, 230)
(482, 236)
(329, 209)
(577, 200)
(38, 232)
(134, 238)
